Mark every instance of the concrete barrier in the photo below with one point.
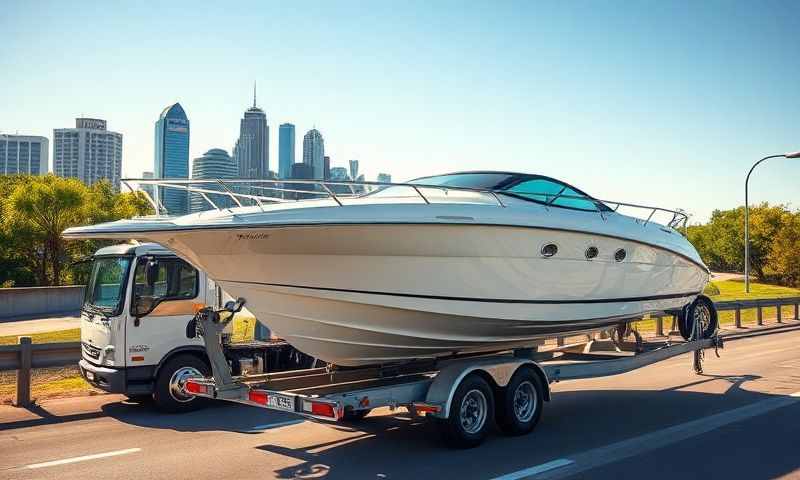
(39, 301)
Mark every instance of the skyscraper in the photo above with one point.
(354, 169)
(314, 152)
(326, 167)
(384, 178)
(88, 152)
(252, 148)
(23, 154)
(172, 156)
(215, 163)
(285, 150)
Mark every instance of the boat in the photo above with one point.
(445, 265)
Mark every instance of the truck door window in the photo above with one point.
(169, 279)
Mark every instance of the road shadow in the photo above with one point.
(574, 422)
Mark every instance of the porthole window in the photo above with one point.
(549, 250)
(620, 255)
(591, 253)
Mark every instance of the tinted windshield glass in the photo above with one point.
(107, 283)
(554, 193)
(488, 181)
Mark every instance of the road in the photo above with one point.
(39, 325)
(741, 419)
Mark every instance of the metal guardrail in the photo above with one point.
(26, 355)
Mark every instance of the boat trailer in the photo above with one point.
(460, 393)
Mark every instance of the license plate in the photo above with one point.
(90, 376)
(281, 402)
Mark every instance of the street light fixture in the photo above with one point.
(747, 217)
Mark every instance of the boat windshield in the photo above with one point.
(106, 288)
(537, 188)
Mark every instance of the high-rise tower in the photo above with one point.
(286, 156)
(252, 148)
(314, 152)
(172, 156)
(88, 152)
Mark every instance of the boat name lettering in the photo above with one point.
(252, 236)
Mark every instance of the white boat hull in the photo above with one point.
(365, 294)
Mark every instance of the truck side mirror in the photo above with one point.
(235, 307)
(151, 273)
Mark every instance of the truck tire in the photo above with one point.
(520, 408)
(471, 414)
(167, 393)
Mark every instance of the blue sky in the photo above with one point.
(642, 101)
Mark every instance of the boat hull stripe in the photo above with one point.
(483, 300)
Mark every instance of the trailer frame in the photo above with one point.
(426, 387)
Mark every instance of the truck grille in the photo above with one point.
(91, 351)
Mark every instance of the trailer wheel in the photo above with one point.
(702, 310)
(168, 394)
(520, 408)
(471, 414)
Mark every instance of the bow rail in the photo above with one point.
(230, 193)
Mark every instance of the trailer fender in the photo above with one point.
(443, 388)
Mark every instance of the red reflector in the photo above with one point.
(137, 359)
(323, 409)
(196, 388)
(258, 397)
(422, 408)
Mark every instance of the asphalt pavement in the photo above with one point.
(26, 326)
(740, 419)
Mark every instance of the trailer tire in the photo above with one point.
(519, 409)
(471, 414)
(702, 308)
(167, 395)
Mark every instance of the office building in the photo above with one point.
(23, 154)
(326, 167)
(172, 156)
(314, 152)
(384, 178)
(286, 143)
(252, 148)
(88, 152)
(354, 169)
(302, 171)
(215, 163)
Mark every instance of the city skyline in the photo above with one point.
(609, 99)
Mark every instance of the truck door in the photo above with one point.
(173, 286)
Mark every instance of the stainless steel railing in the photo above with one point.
(308, 188)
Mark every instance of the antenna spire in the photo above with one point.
(254, 94)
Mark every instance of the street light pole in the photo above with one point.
(747, 216)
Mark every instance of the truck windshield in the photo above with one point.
(106, 286)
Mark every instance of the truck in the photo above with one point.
(464, 395)
(138, 302)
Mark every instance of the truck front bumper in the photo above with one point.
(116, 380)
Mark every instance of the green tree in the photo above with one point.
(784, 257)
(37, 210)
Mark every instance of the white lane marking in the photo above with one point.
(83, 458)
(544, 467)
(583, 461)
(269, 426)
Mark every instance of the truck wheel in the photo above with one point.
(168, 393)
(471, 414)
(521, 406)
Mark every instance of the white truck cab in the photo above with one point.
(138, 302)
